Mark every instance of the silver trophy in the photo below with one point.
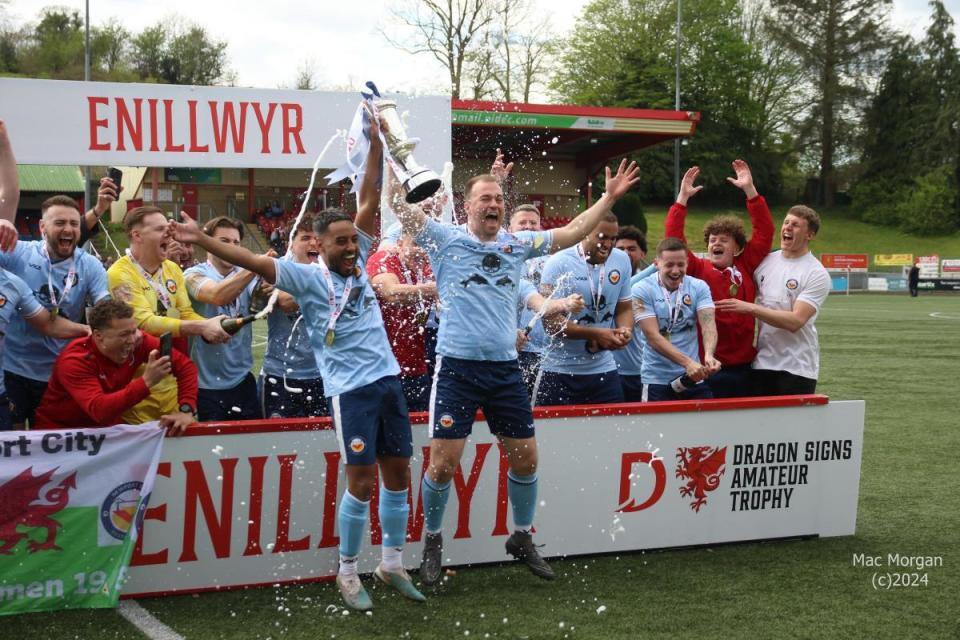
(419, 183)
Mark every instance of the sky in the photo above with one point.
(269, 41)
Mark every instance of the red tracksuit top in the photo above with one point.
(734, 330)
(89, 390)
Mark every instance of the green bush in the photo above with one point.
(930, 208)
(877, 201)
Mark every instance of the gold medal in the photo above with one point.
(330, 337)
(420, 318)
(733, 290)
(54, 312)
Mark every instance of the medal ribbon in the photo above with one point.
(332, 296)
(736, 277)
(594, 295)
(673, 306)
(158, 288)
(67, 285)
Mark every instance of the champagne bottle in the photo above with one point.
(233, 325)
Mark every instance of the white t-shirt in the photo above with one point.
(780, 283)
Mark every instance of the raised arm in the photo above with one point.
(205, 290)
(760, 219)
(412, 218)
(677, 216)
(578, 228)
(369, 197)
(9, 192)
(188, 231)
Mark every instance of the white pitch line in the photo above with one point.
(942, 316)
(145, 622)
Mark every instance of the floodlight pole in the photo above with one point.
(676, 105)
(87, 191)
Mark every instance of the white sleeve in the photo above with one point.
(816, 289)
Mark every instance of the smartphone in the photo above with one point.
(115, 175)
(166, 344)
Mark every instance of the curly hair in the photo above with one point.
(726, 225)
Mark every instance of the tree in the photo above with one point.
(445, 29)
(838, 43)
(306, 73)
(109, 44)
(621, 55)
(179, 52)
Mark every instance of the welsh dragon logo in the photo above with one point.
(702, 467)
(20, 507)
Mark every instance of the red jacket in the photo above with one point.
(734, 330)
(399, 319)
(89, 390)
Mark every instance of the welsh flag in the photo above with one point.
(71, 504)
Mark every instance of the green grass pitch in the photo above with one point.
(901, 355)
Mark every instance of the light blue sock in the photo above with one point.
(523, 499)
(434, 503)
(393, 516)
(351, 519)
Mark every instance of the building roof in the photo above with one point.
(592, 135)
(50, 178)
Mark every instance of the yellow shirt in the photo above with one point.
(127, 283)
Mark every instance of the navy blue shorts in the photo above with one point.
(658, 392)
(24, 395)
(632, 388)
(530, 367)
(732, 382)
(372, 421)
(569, 388)
(416, 389)
(460, 387)
(238, 403)
(306, 400)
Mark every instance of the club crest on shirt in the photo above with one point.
(687, 300)
(446, 421)
(76, 279)
(506, 248)
(357, 444)
(614, 276)
(792, 284)
(3, 300)
(171, 285)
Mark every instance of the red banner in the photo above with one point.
(850, 261)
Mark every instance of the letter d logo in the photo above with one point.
(628, 504)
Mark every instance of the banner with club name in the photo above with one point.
(71, 503)
(255, 503)
(164, 125)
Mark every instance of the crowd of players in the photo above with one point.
(495, 314)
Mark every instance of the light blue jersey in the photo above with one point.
(676, 313)
(478, 284)
(221, 366)
(16, 301)
(537, 341)
(602, 286)
(297, 362)
(630, 358)
(360, 353)
(28, 353)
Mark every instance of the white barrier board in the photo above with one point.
(162, 125)
(253, 508)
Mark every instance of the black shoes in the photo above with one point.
(520, 546)
(431, 563)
